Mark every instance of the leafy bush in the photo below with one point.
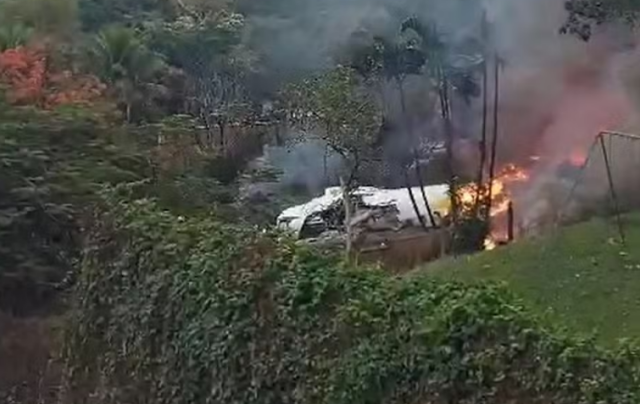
(51, 165)
(189, 310)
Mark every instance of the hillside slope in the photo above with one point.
(581, 276)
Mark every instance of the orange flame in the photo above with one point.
(577, 158)
(500, 195)
(499, 189)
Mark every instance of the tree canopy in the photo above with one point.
(335, 107)
(584, 15)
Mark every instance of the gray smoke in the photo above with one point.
(557, 92)
(309, 165)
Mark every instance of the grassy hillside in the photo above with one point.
(581, 276)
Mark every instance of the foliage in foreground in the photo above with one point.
(190, 310)
(51, 164)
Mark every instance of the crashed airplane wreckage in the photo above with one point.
(381, 217)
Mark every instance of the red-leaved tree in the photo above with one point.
(28, 79)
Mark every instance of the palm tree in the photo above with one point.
(126, 64)
(14, 35)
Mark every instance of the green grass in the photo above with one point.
(580, 276)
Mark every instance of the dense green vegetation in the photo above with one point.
(52, 163)
(581, 277)
(196, 310)
(55, 162)
(85, 103)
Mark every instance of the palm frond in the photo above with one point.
(14, 35)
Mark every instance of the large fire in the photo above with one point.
(500, 186)
(500, 192)
(502, 189)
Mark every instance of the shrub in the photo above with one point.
(51, 165)
(191, 310)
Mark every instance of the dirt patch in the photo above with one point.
(402, 251)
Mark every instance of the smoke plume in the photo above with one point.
(557, 92)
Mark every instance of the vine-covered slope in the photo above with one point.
(175, 310)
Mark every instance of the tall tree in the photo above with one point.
(482, 146)
(205, 41)
(127, 65)
(451, 67)
(334, 107)
(385, 61)
(496, 132)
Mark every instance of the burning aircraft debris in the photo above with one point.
(391, 209)
(374, 209)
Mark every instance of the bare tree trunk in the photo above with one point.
(496, 131)
(413, 200)
(346, 200)
(407, 182)
(422, 191)
(354, 170)
(485, 116)
(510, 222)
(325, 162)
(446, 116)
(483, 139)
(128, 111)
(221, 126)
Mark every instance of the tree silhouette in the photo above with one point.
(127, 65)
(392, 61)
(452, 69)
(333, 107)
